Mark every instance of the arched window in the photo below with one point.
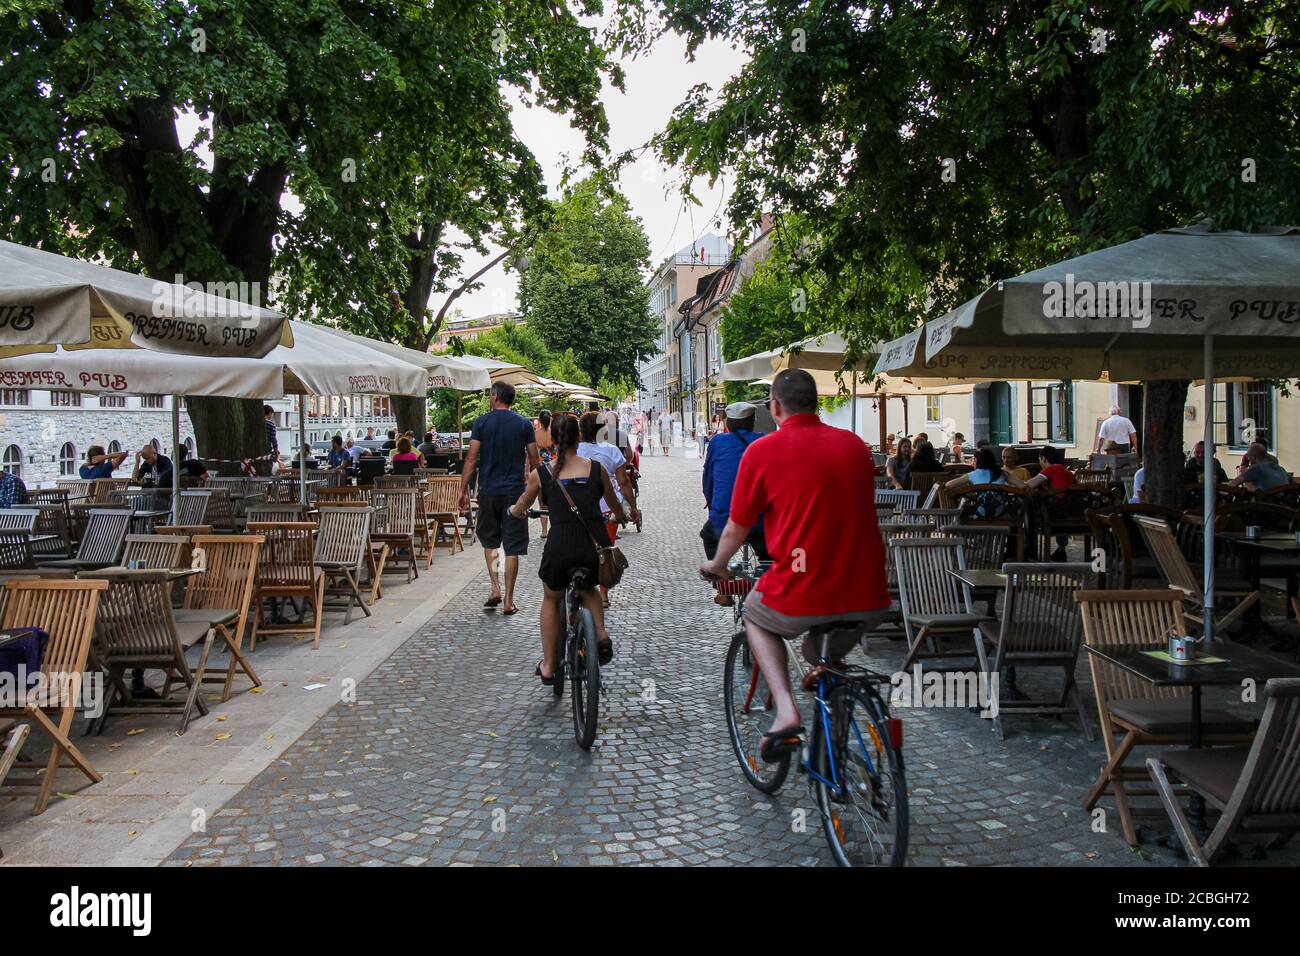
(189, 447)
(114, 447)
(13, 460)
(67, 459)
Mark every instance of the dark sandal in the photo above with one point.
(546, 681)
(775, 746)
(513, 610)
(492, 602)
(605, 650)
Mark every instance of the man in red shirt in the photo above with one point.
(1054, 475)
(807, 480)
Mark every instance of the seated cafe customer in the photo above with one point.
(1263, 472)
(1194, 467)
(153, 469)
(99, 464)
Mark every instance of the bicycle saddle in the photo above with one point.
(582, 579)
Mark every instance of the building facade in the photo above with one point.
(460, 327)
(667, 377)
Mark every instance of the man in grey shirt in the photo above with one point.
(1264, 473)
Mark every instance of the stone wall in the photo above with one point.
(42, 432)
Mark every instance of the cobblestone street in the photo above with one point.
(453, 753)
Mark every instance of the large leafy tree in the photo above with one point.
(386, 123)
(583, 289)
(1069, 124)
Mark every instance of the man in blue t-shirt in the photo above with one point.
(502, 447)
(100, 465)
(721, 462)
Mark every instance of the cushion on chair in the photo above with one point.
(1212, 770)
(947, 620)
(1167, 716)
(207, 616)
(190, 633)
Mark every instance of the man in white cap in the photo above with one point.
(721, 462)
(1119, 430)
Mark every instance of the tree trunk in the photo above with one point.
(410, 413)
(1162, 442)
(227, 431)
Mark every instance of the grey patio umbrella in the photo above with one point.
(1179, 304)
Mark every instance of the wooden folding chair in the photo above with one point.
(395, 525)
(1131, 711)
(19, 519)
(894, 499)
(65, 610)
(193, 507)
(287, 570)
(442, 511)
(154, 551)
(136, 629)
(1255, 788)
(342, 495)
(935, 605)
(101, 544)
(1040, 627)
(220, 597)
(342, 549)
(1162, 544)
(16, 551)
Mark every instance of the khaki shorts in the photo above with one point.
(788, 625)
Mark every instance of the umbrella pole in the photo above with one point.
(302, 442)
(176, 457)
(882, 408)
(1209, 491)
(460, 422)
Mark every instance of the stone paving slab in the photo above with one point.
(453, 753)
(154, 781)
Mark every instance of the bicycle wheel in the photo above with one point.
(749, 716)
(584, 668)
(865, 816)
(561, 663)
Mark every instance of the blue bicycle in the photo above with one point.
(853, 756)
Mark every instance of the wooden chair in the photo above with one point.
(219, 599)
(984, 546)
(344, 494)
(65, 610)
(1063, 513)
(16, 551)
(283, 489)
(894, 498)
(221, 509)
(1127, 561)
(101, 491)
(395, 526)
(442, 511)
(935, 605)
(939, 518)
(159, 552)
(142, 502)
(1093, 476)
(101, 544)
(53, 506)
(342, 550)
(395, 481)
(135, 629)
(193, 507)
(996, 506)
(1131, 711)
(269, 512)
(287, 570)
(1288, 496)
(924, 484)
(1162, 544)
(19, 519)
(1255, 788)
(1040, 627)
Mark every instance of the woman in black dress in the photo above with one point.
(569, 544)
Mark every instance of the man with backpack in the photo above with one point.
(721, 462)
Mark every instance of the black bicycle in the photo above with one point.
(578, 657)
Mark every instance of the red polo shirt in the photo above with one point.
(814, 484)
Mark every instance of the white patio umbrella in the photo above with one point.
(1179, 304)
(319, 363)
(49, 299)
(444, 371)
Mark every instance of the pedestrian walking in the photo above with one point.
(502, 448)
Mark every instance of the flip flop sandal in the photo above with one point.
(513, 610)
(546, 681)
(605, 651)
(492, 602)
(775, 746)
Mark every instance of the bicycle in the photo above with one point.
(580, 662)
(853, 758)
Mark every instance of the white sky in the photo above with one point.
(655, 82)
